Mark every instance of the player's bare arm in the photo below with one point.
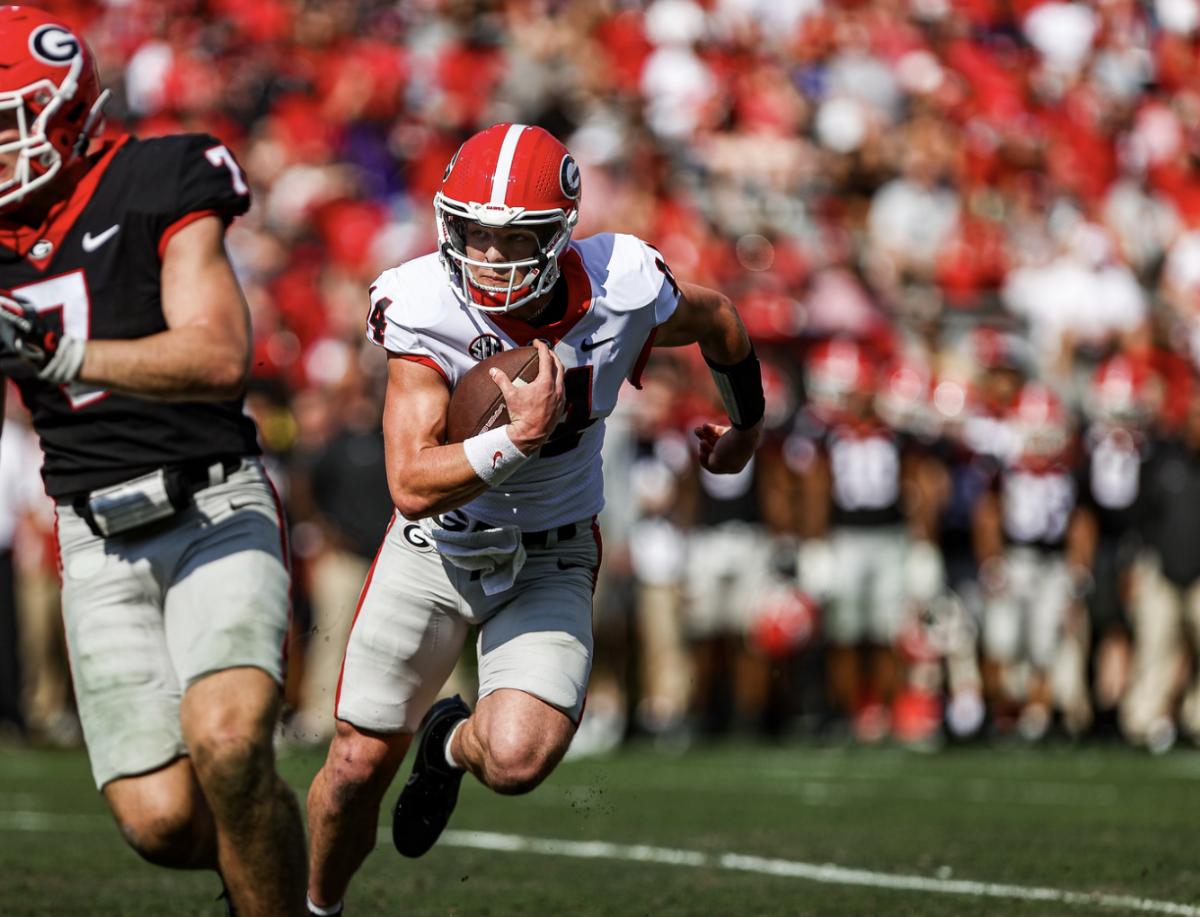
(987, 534)
(707, 318)
(1083, 534)
(205, 351)
(426, 476)
(816, 486)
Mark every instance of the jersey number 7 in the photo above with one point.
(220, 156)
(67, 294)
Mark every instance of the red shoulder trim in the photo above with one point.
(424, 361)
(63, 215)
(635, 376)
(185, 220)
(285, 551)
(579, 300)
(362, 597)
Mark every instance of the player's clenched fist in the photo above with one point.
(34, 338)
(534, 408)
(725, 450)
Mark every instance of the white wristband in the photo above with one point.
(493, 455)
(66, 363)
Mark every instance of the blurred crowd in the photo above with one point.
(964, 234)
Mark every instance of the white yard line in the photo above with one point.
(812, 872)
(826, 873)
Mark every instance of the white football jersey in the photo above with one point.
(619, 291)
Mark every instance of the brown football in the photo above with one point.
(476, 404)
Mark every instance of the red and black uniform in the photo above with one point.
(729, 498)
(96, 265)
(1110, 477)
(1109, 487)
(970, 472)
(865, 467)
(1036, 502)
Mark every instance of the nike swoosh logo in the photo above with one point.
(586, 346)
(91, 243)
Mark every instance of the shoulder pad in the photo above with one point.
(417, 288)
(624, 268)
(180, 174)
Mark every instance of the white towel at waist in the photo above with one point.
(497, 553)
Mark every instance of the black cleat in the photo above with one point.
(429, 796)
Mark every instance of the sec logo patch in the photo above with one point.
(484, 346)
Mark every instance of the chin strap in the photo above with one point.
(92, 124)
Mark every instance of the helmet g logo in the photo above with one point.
(568, 177)
(52, 44)
(450, 165)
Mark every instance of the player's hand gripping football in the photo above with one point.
(726, 450)
(34, 338)
(536, 408)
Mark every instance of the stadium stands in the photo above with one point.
(980, 196)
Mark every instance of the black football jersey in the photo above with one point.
(1168, 495)
(1036, 505)
(730, 497)
(1110, 478)
(865, 474)
(95, 267)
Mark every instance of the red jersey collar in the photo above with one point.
(579, 300)
(62, 216)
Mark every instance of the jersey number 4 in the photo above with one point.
(68, 295)
(377, 320)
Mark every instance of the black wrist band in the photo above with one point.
(740, 385)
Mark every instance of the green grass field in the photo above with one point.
(646, 833)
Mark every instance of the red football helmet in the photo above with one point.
(837, 370)
(1040, 422)
(903, 401)
(1123, 392)
(50, 99)
(508, 175)
(785, 622)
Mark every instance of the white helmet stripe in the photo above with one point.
(508, 150)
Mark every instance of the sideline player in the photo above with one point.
(499, 531)
(126, 332)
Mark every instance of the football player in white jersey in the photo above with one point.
(499, 531)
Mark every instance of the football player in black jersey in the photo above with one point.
(866, 524)
(124, 328)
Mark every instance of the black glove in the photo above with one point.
(31, 336)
